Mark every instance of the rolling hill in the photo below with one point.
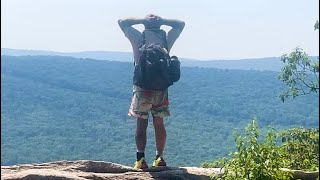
(261, 64)
(66, 108)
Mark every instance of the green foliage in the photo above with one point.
(253, 159)
(316, 25)
(262, 159)
(300, 74)
(301, 147)
(63, 108)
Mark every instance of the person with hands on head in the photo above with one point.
(143, 100)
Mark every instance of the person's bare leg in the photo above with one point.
(160, 134)
(141, 134)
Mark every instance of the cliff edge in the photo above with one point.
(85, 169)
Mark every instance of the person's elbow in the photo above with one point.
(120, 22)
(181, 25)
(178, 25)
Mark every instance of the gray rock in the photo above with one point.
(84, 169)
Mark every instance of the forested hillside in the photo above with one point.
(63, 108)
(261, 64)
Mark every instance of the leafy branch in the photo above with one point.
(300, 74)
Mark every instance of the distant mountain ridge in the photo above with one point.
(98, 55)
(261, 64)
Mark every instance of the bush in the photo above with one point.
(262, 158)
(301, 147)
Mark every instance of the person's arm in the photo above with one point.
(174, 33)
(129, 22)
(131, 33)
(174, 23)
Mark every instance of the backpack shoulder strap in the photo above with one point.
(143, 41)
(141, 46)
(143, 38)
(164, 35)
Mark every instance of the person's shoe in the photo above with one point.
(141, 164)
(159, 162)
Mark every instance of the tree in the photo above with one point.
(316, 26)
(300, 73)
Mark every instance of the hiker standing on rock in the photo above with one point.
(154, 72)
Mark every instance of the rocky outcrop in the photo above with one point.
(99, 170)
(304, 175)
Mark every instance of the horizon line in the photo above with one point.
(199, 59)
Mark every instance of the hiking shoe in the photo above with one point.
(159, 162)
(141, 164)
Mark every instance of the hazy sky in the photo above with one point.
(224, 29)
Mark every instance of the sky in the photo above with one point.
(215, 29)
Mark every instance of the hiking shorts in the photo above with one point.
(144, 102)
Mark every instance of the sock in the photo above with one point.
(158, 154)
(140, 155)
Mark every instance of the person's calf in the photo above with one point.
(141, 134)
(160, 135)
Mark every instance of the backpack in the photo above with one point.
(155, 69)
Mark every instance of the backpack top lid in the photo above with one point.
(156, 52)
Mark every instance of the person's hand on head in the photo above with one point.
(153, 21)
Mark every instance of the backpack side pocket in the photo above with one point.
(174, 69)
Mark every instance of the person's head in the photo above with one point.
(152, 21)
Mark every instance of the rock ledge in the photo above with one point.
(85, 169)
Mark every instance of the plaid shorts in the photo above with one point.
(143, 102)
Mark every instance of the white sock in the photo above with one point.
(158, 153)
